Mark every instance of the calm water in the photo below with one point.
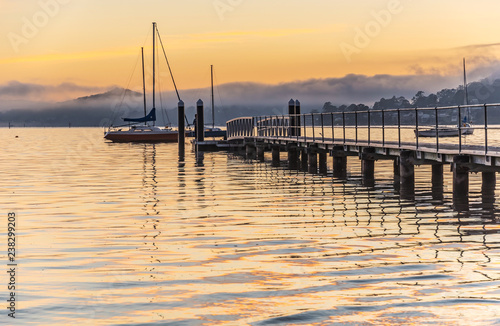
(121, 234)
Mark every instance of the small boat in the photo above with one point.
(147, 132)
(466, 128)
(211, 131)
(445, 132)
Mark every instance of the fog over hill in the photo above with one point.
(34, 105)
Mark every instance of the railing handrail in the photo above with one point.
(311, 126)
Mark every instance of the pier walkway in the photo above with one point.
(380, 135)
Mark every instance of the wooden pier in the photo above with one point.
(308, 139)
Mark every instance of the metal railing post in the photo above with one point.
(383, 128)
(459, 130)
(416, 127)
(356, 125)
(322, 129)
(485, 129)
(333, 128)
(437, 129)
(369, 128)
(343, 126)
(399, 128)
(312, 125)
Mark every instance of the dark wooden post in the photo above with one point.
(437, 181)
(407, 174)
(397, 174)
(312, 156)
(461, 182)
(250, 151)
(339, 162)
(488, 190)
(304, 160)
(200, 122)
(297, 118)
(293, 157)
(291, 117)
(368, 166)
(323, 167)
(260, 152)
(276, 155)
(181, 129)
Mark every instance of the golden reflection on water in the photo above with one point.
(125, 234)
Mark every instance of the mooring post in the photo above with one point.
(291, 117)
(276, 155)
(323, 165)
(368, 166)
(181, 130)
(312, 156)
(293, 156)
(437, 181)
(297, 118)
(200, 121)
(407, 174)
(461, 182)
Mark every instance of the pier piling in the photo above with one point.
(293, 157)
(304, 160)
(437, 181)
(461, 182)
(407, 174)
(312, 157)
(275, 156)
(323, 166)
(260, 152)
(368, 166)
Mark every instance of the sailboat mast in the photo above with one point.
(213, 105)
(465, 87)
(154, 77)
(143, 83)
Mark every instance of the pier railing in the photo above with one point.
(434, 128)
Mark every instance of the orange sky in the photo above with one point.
(97, 43)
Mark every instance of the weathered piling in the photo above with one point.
(437, 181)
(293, 157)
(312, 157)
(461, 182)
(261, 149)
(304, 160)
(250, 151)
(181, 129)
(322, 160)
(275, 156)
(397, 174)
(339, 162)
(488, 189)
(200, 121)
(407, 174)
(368, 166)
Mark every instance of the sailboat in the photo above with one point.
(147, 132)
(211, 131)
(466, 128)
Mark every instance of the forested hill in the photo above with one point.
(477, 93)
